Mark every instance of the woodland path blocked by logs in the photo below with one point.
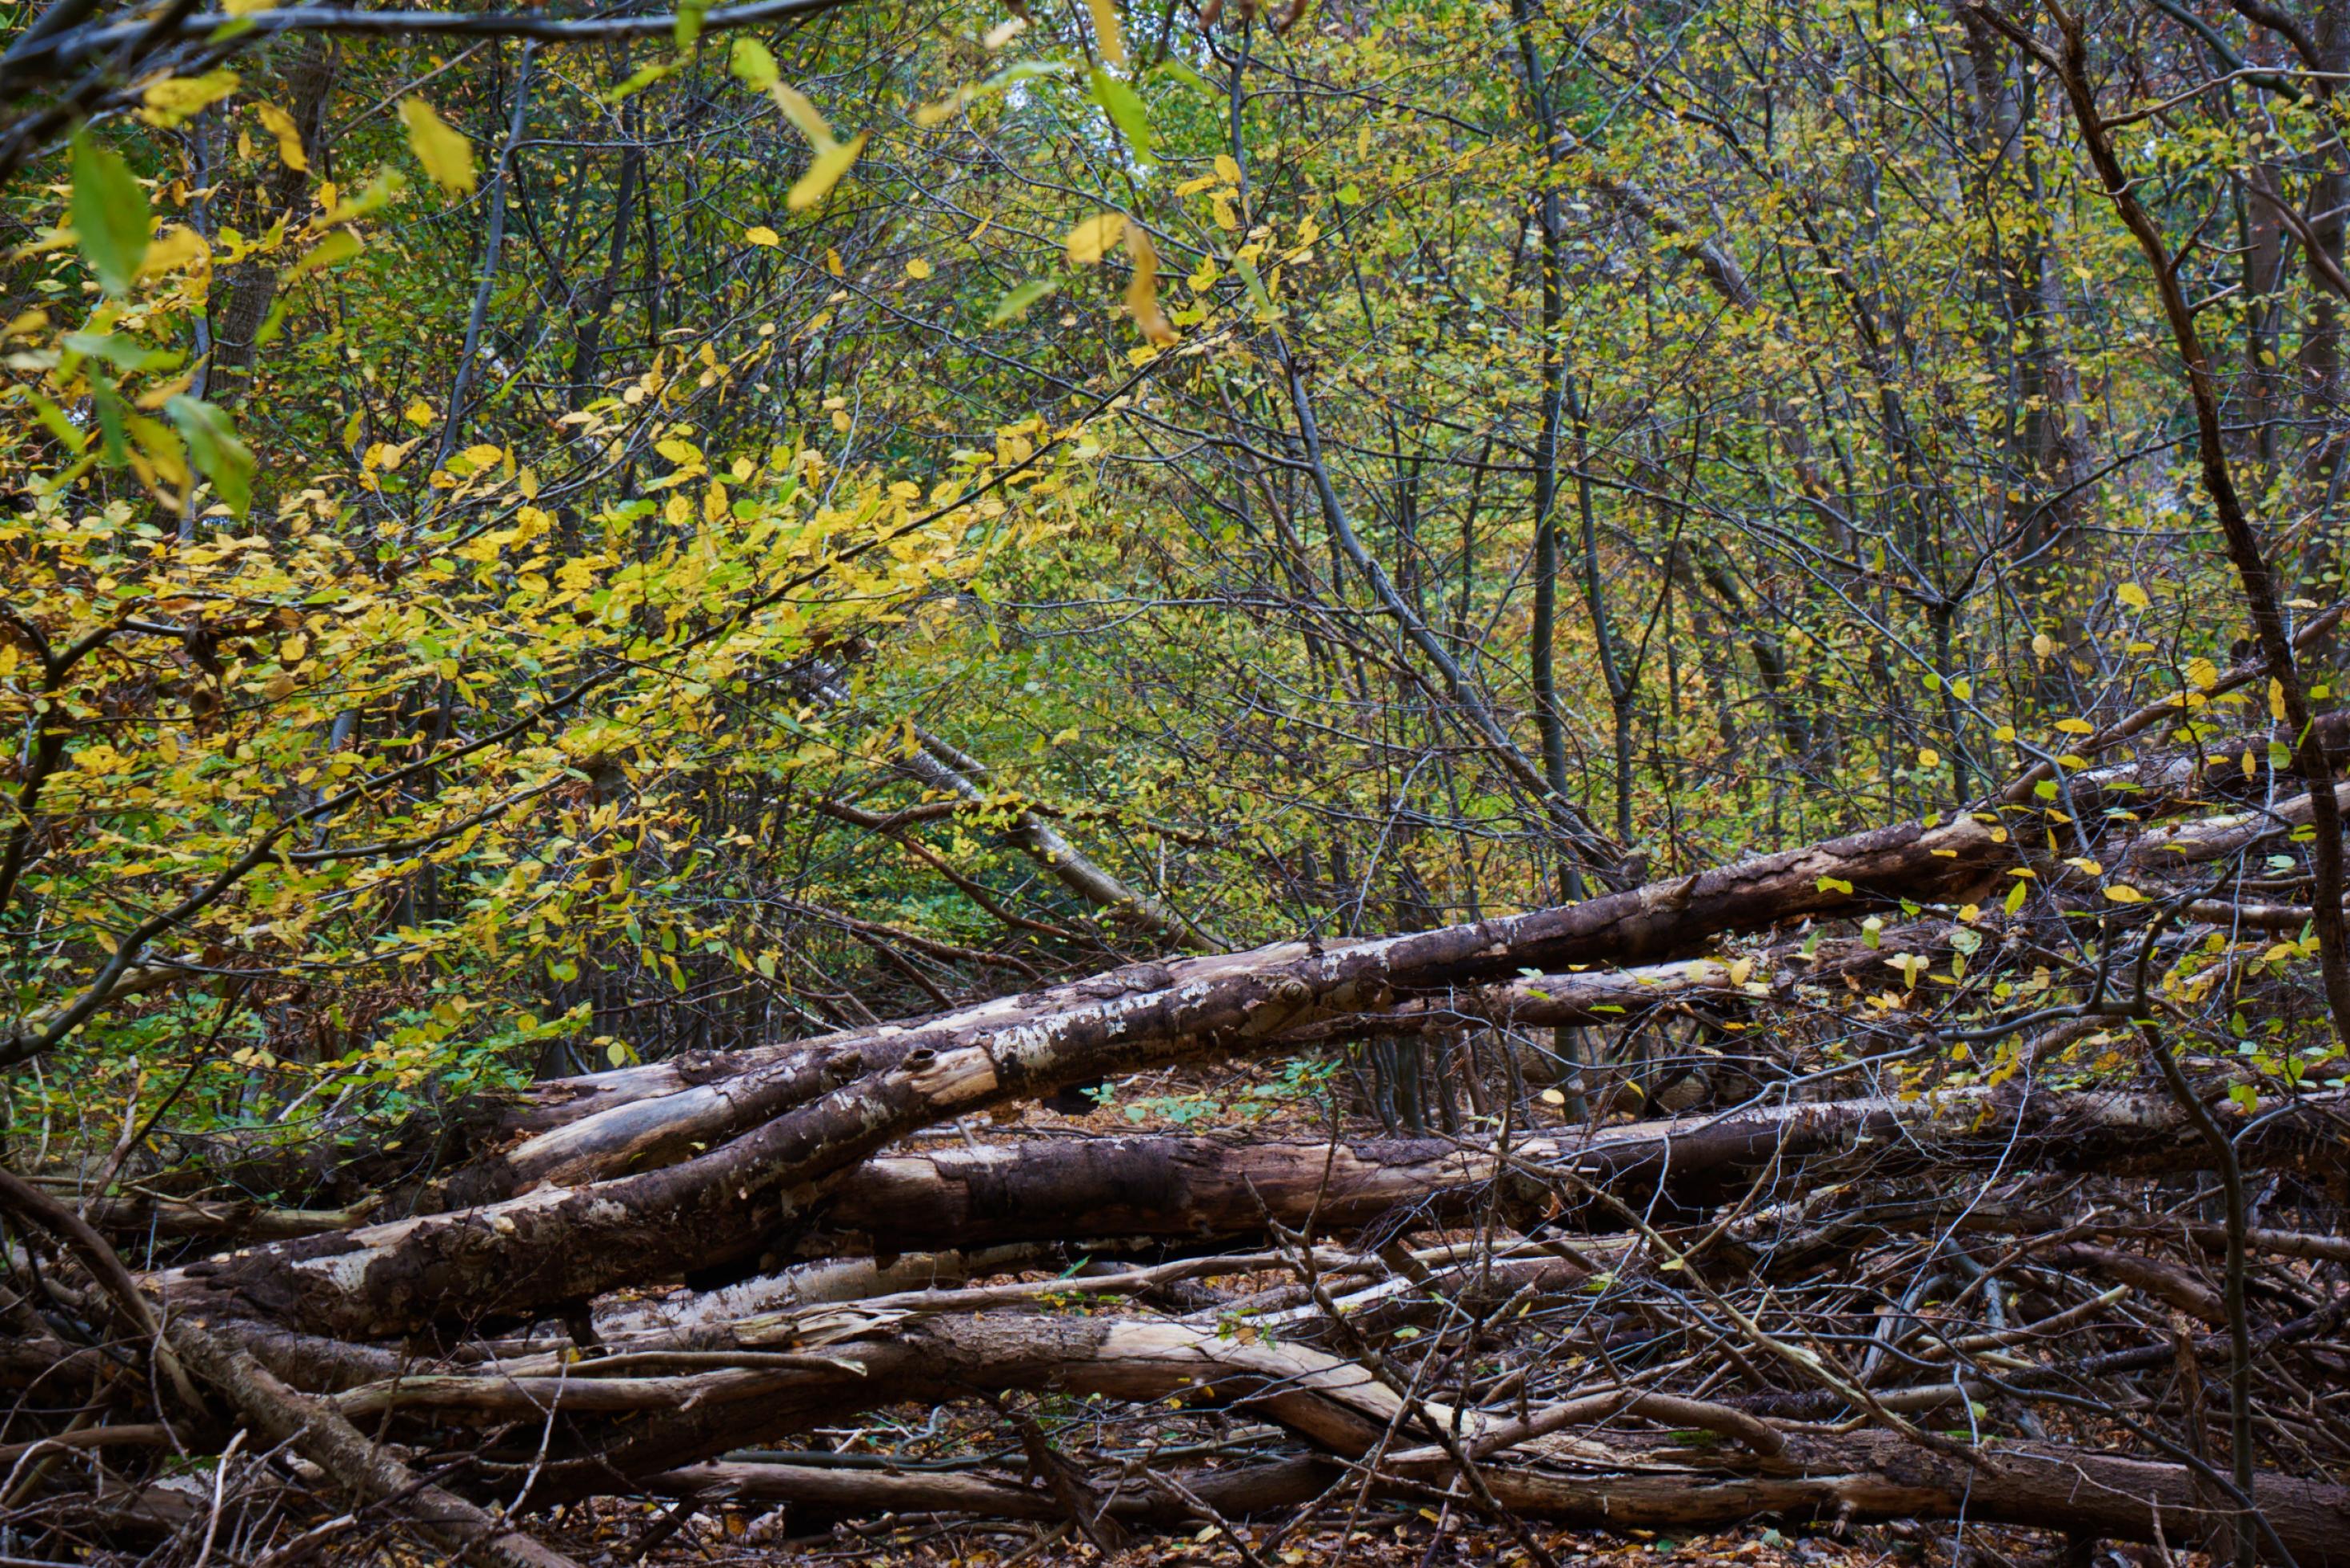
(555, 1245)
(646, 1175)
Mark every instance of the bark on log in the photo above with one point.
(1206, 1188)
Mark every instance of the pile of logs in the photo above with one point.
(1946, 1235)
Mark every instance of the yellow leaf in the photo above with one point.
(2123, 893)
(1143, 292)
(1002, 33)
(2132, 596)
(762, 235)
(832, 262)
(1740, 968)
(2276, 700)
(823, 173)
(175, 100)
(917, 269)
(280, 124)
(447, 156)
(1090, 239)
(1065, 736)
(2075, 726)
(1106, 28)
(2203, 674)
(1553, 1097)
(1226, 170)
(2042, 644)
(1928, 757)
(803, 114)
(174, 248)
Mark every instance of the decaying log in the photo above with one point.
(1616, 1475)
(1203, 1188)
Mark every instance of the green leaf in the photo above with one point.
(122, 353)
(1184, 71)
(214, 449)
(72, 437)
(109, 213)
(1124, 107)
(1015, 305)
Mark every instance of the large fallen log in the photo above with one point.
(1211, 1188)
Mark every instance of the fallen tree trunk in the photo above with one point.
(575, 1131)
(1205, 1188)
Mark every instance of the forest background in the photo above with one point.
(555, 541)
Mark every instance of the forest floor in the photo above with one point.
(1381, 1534)
(1383, 1537)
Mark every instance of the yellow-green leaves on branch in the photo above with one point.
(1015, 305)
(1124, 106)
(756, 68)
(440, 147)
(824, 171)
(752, 66)
(174, 101)
(833, 156)
(111, 217)
(1091, 239)
(1118, 97)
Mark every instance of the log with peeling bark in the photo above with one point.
(1208, 1188)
